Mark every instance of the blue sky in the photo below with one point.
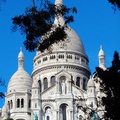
(95, 23)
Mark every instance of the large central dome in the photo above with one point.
(71, 43)
(68, 53)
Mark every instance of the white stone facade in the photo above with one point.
(58, 78)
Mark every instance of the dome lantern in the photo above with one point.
(59, 20)
(20, 59)
(58, 2)
(101, 57)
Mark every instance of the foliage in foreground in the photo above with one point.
(37, 22)
(2, 83)
(110, 85)
(9, 119)
(115, 3)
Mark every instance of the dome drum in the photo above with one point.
(62, 57)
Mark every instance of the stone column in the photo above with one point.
(80, 60)
(26, 102)
(49, 83)
(69, 86)
(14, 102)
(71, 115)
(73, 56)
(65, 56)
(57, 87)
(42, 86)
(81, 83)
(57, 115)
(48, 57)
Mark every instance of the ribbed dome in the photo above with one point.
(72, 43)
(20, 80)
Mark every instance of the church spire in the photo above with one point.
(20, 59)
(101, 56)
(59, 20)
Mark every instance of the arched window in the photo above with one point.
(52, 57)
(69, 56)
(78, 81)
(18, 103)
(52, 80)
(44, 59)
(61, 56)
(48, 118)
(77, 58)
(39, 81)
(80, 117)
(48, 113)
(11, 104)
(22, 103)
(63, 111)
(84, 84)
(35, 105)
(29, 104)
(45, 81)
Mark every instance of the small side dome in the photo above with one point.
(91, 83)
(101, 52)
(20, 80)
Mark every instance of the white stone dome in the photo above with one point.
(71, 43)
(20, 80)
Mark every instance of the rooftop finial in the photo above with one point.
(57, 2)
(101, 57)
(100, 47)
(20, 48)
(59, 20)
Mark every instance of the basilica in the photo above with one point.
(60, 84)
